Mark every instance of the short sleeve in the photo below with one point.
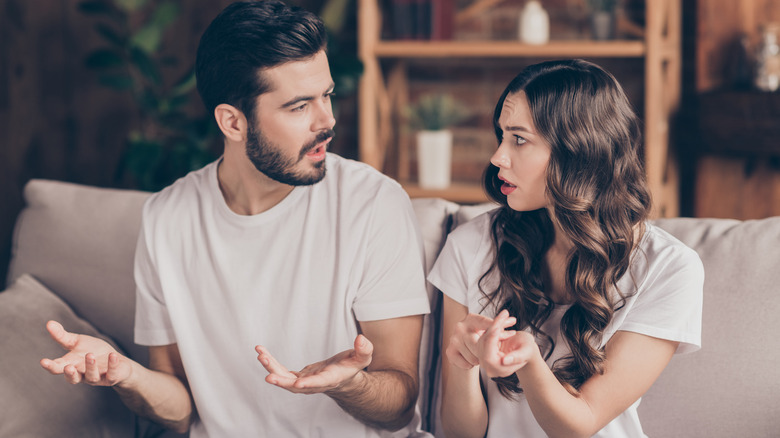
(466, 256)
(152, 322)
(392, 282)
(669, 302)
(449, 273)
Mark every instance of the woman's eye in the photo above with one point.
(519, 140)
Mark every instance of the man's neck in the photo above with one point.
(246, 190)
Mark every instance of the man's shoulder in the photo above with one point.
(359, 177)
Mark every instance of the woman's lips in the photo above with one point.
(507, 188)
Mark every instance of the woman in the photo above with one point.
(563, 305)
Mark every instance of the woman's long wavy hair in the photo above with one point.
(597, 197)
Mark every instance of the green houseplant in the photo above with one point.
(167, 141)
(432, 116)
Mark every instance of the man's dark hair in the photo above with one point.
(244, 39)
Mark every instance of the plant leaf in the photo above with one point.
(95, 8)
(165, 14)
(104, 58)
(334, 13)
(109, 34)
(119, 82)
(145, 65)
(185, 84)
(130, 5)
(147, 38)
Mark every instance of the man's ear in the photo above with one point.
(231, 122)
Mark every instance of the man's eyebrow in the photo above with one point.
(298, 99)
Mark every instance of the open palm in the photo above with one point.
(88, 359)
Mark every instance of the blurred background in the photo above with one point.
(101, 92)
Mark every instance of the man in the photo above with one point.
(279, 253)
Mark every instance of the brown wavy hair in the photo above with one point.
(597, 197)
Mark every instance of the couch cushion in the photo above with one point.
(729, 388)
(434, 216)
(34, 403)
(80, 241)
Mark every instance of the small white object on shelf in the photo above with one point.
(534, 24)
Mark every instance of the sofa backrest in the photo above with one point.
(727, 389)
(730, 387)
(79, 241)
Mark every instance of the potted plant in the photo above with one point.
(602, 18)
(432, 116)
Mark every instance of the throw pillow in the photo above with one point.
(34, 403)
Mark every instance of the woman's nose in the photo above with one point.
(500, 158)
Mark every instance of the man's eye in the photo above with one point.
(519, 140)
(299, 108)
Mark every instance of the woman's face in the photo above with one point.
(521, 157)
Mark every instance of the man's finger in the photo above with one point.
(113, 372)
(270, 363)
(72, 374)
(66, 339)
(91, 372)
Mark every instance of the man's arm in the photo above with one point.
(384, 395)
(376, 382)
(160, 393)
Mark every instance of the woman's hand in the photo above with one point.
(463, 347)
(502, 352)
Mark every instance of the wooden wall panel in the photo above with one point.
(738, 188)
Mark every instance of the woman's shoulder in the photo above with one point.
(657, 243)
(472, 232)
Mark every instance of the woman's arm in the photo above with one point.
(463, 408)
(633, 362)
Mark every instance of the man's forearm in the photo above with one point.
(161, 397)
(383, 399)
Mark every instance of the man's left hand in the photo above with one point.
(327, 375)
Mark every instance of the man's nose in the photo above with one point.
(324, 118)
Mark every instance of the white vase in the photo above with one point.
(434, 159)
(534, 24)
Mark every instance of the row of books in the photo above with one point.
(422, 19)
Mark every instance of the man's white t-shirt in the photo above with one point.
(295, 279)
(665, 279)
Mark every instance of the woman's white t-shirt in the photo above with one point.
(665, 282)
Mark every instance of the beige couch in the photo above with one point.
(72, 261)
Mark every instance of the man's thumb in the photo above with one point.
(363, 347)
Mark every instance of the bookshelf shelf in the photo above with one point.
(462, 193)
(384, 91)
(508, 49)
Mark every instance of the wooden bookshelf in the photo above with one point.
(381, 96)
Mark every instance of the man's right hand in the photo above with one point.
(89, 359)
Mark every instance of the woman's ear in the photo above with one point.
(231, 122)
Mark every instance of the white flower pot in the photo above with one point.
(434, 158)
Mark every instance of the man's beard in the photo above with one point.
(269, 159)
